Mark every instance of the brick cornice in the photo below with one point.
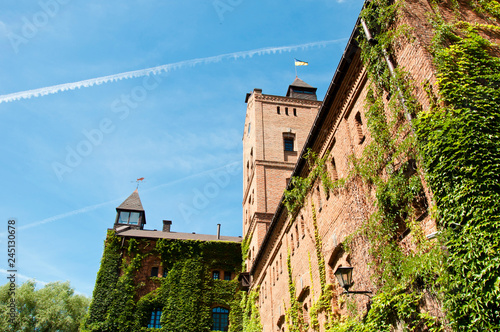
(282, 164)
(286, 100)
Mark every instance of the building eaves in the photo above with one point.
(151, 234)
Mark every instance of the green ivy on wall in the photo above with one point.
(106, 280)
(459, 147)
(387, 165)
(294, 317)
(250, 311)
(185, 296)
(460, 139)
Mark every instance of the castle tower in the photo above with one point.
(130, 213)
(276, 129)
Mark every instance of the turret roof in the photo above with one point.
(300, 83)
(133, 202)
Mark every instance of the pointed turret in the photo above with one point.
(301, 90)
(131, 213)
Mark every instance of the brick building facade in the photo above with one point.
(339, 133)
(276, 128)
(152, 279)
(304, 247)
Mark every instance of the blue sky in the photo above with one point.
(69, 158)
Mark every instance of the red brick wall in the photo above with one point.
(266, 165)
(343, 212)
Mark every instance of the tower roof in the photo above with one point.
(133, 202)
(302, 90)
(300, 83)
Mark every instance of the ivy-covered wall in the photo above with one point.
(450, 148)
(445, 161)
(185, 296)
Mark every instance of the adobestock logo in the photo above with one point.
(95, 137)
(202, 197)
(31, 26)
(223, 6)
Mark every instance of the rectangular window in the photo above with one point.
(278, 110)
(216, 275)
(154, 271)
(220, 319)
(288, 144)
(154, 322)
(131, 218)
(227, 275)
(286, 110)
(294, 112)
(134, 218)
(123, 219)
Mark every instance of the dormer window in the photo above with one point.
(129, 218)
(130, 214)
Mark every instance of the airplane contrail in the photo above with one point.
(159, 69)
(99, 205)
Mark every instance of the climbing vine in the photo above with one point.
(460, 141)
(323, 304)
(250, 311)
(245, 249)
(294, 198)
(107, 278)
(185, 296)
(294, 317)
(388, 167)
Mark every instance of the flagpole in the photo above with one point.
(299, 63)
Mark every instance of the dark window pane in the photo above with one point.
(227, 275)
(220, 319)
(288, 144)
(216, 275)
(154, 322)
(154, 271)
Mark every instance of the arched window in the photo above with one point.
(359, 127)
(220, 319)
(154, 322)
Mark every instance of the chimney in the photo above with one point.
(166, 225)
(218, 231)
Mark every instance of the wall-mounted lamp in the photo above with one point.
(344, 276)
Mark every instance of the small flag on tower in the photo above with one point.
(301, 63)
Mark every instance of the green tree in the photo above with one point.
(55, 307)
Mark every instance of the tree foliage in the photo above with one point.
(55, 307)
(185, 296)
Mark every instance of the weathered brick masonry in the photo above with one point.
(339, 131)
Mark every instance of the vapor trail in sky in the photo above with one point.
(118, 200)
(160, 69)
